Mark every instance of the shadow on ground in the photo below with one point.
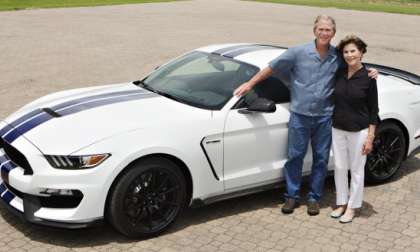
(271, 199)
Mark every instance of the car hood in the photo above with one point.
(65, 122)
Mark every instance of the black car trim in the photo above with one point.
(410, 77)
(201, 202)
(15, 158)
(4, 176)
(277, 184)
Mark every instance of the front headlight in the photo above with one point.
(76, 162)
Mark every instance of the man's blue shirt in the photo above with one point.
(311, 78)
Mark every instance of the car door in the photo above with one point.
(255, 144)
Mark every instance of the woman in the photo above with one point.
(354, 121)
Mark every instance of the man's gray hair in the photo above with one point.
(325, 17)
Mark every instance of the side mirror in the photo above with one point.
(260, 105)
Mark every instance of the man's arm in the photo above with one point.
(247, 86)
(284, 62)
(373, 73)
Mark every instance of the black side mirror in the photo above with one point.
(260, 105)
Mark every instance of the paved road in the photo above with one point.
(42, 51)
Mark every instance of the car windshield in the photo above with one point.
(200, 79)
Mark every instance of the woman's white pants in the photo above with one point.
(347, 150)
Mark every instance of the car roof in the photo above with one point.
(258, 55)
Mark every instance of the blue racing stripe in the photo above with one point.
(8, 196)
(5, 129)
(31, 114)
(7, 167)
(44, 117)
(22, 119)
(23, 128)
(3, 159)
(249, 49)
(99, 103)
(94, 97)
(229, 48)
(2, 188)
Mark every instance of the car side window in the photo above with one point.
(272, 88)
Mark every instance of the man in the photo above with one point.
(312, 68)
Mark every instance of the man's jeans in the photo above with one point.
(301, 130)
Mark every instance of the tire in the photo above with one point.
(389, 149)
(147, 198)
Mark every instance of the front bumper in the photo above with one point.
(25, 209)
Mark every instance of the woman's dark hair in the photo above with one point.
(352, 39)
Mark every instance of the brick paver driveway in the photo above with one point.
(42, 51)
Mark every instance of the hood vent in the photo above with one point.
(51, 112)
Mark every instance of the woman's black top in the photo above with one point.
(356, 101)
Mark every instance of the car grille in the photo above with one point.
(17, 157)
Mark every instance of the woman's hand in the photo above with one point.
(368, 145)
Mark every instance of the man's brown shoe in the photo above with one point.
(313, 207)
(289, 206)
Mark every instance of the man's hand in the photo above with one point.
(247, 86)
(373, 73)
(243, 89)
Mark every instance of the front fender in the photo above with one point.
(130, 146)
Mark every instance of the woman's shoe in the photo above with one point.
(347, 217)
(338, 212)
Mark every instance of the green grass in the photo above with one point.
(393, 6)
(31, 4)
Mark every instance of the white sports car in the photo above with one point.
(135, 154)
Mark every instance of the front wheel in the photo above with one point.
(389, 148)
(147, 198)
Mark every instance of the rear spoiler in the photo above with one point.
(413, 78)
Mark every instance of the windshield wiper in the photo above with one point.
(138, 82)
(141, 83)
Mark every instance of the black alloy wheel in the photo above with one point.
(147, 198)
(389, 149)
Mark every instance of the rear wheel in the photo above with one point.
(147, 198)
(389, 148)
